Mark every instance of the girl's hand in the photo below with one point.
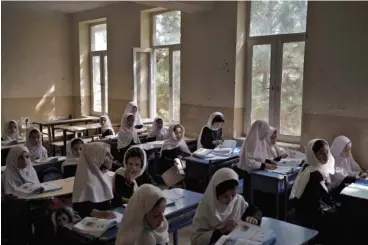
(229, 227)
(270, 166)
(284, 155)
(251, 220)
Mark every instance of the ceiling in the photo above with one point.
(65, 6)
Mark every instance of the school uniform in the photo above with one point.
(127, 136)
(15, 177)
(7, 135)
(132, 230)
(211, 216)
(107, 129)
(138, 122)
(273, 150)
(208, 134)
(157, 134)
(69, 166)
(36, 151)
(92, 187)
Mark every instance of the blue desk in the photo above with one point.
(274, 183)
(288, 234)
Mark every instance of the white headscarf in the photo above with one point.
(273, 149)
(211, 214)
(14, 176)
(107, 124)
(254, 149)
(160, 134)
(208, 125)
(10, 136)
(137, 116)
(302, 179)
(344, 166)
(131, 231)
(36, 151)
(70, 159)
(121, 171)
(91, 184)
(126, 134)
(173, 142)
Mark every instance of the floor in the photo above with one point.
(184, 236)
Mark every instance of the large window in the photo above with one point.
(98, 53)
(276, 40)
(157, 69)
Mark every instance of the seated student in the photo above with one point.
(254, 154)
(127, 135)
(134, 165)
(34, 144)
(158, 132)
(106, 126)
(11, 131)
(19, 169)
(132, 108)
(211, 133)
(221, 209)
(174, 147)
(92, 190)
(73, 150)
(275, 152)
(144, 221)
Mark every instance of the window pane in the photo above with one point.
(292, 88)
(261, 68)
(167, 28)
(96, 83)
(142, 82)
(162, 82)
(277, 17)
(106, 84)
(98, 37)
(176, 85)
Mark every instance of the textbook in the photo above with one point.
(97, 227)
(29, 189)
(49, 160)
(202, 153)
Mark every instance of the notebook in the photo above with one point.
(202, 153)
(29, 189)
(290, 162)
(227, 144)
(49, 160)
(283, 170)
(97, 227)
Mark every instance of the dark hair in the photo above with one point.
(159, 119)
(76, 141)
(225, 186)
(134, 152)
(158, 202)
(177, 126)
(218, 118)
(318, 145)
(33, 131)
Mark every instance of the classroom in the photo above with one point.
(182, 122)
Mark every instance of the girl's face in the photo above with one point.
(35, 138)
(134, 109)
(103, 121)
(130, 121)
(107, 163)
(155, 216)
(76, 149)
(134, 164)
(159, 124)
(347, 150)
(227, 197)
(273, 138)
(322, 154)
(216, 125)
(178, 132)
(12, 128)
(23, 160)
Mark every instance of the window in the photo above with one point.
(157, 69)
(275, 51)
(98, 54)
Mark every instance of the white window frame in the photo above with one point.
(276, 42)
(101, 54)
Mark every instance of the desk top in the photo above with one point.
(66, 121)
(8, 147)
(288, 234)
(357, 190)
(273, 174)
(213, 160)
(77, 128)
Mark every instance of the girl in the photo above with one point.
(11, 131)
(221, 209)
(127, 135)
(211, 133)
(174, 147)
(73, 150)
(19, 169)
(92, 186)
(106, 126)
(274, 151)
(253, 154)
(158, 131)
(132, 108)
(144, 221)
(134, 165)
(34, 144)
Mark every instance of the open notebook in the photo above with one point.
(49, 160)
(29, 189)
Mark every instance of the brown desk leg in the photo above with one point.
(64, 146)
(49, 134)
(41, 132)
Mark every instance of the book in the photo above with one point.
(290, 162)
(227, 144)
(97, 227)
(285, 170)
(29, 189)
(49, 160)
(202, 153)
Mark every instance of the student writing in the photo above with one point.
(211, 134)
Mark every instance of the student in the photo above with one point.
(274, 151)
(144, 221)
(346, 169)
(134, 165)
(106, 126)
(132, 107)
(92, 191)
(158, 131)
(211, 133)
(19, 169)
(73, 150)
(221, 209)
(34, 144)
(127, 134)
(174, 147)
(254, 154)
(11, 131)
